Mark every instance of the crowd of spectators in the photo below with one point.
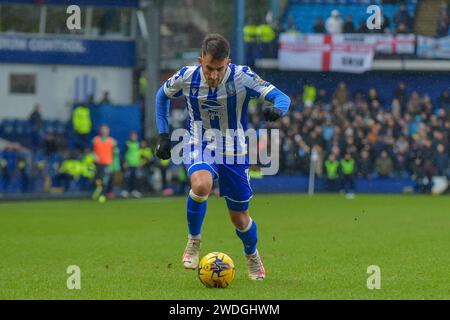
(402, 22)
(406, 137)
(52, 163)
(335, 24)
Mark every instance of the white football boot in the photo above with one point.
(255, 266)
(191, 253)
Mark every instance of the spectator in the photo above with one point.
(373, 96)
(334, 24)
(401, 95)
(143, 86)
(105, 99)
(321, 97)
(131, 165)
(341, 94)
(443, 21)
(22, 168)
(36, 123)
(444, 100)
(362, 27)
(348, 178)
(8, 161)
(349, 26)
(51, 145)
(402, 28)
(106, 21)
(82, 125)
(309, 94)
(423, 182)
(441, 160)
(442, 24)
(332, 172)
(69, 171)
(36, 118)
(292, 26)
(364, 166)
(402, 17)
(319, 26)
(384, 165)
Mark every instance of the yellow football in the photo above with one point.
(216, 270)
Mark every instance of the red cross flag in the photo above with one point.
(344, 52)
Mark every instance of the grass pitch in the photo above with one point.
(313, 248)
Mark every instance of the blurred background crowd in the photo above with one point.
(406, 137)
(360, 128)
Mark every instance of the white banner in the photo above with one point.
(342, 52)
(433, 48)
(395, 44)
(346, 53)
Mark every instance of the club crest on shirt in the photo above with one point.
(231, 90)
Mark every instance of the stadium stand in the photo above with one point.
(306, 12)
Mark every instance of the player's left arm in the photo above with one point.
(266, 91)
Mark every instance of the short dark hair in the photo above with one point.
(216, 45)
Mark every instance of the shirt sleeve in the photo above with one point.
(173, 88)
(162, 111)
(279, 100)
(258, 87)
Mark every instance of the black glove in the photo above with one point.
(164, 146)
(272, 114)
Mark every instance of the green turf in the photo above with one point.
(313, 248)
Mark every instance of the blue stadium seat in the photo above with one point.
(60, 127)
(8, 128)
(306, 12)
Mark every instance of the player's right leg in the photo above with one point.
(201, 176)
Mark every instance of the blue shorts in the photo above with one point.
(234, 181)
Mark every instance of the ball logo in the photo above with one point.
(216, 270)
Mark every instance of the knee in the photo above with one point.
(201, 187)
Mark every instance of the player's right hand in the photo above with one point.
(164, 146)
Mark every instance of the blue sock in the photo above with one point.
(249, 237)
(196, 211)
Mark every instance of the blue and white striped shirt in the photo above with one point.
(222, 108)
